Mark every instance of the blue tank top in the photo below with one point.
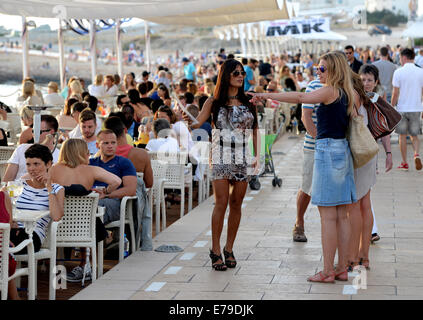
(332, 119)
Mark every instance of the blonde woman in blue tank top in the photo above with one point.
(333, 174)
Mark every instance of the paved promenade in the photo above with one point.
(270, 264)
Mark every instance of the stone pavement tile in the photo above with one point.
(229, 275)
(302, 250)
(219, 295)
(411, 235)
(291, 279)
(409, 244)
(410, 291)
(269, 295)
(299, 270)
(197, 287)
(300, 259)
(273, 254)
(255, 270)
(92, 293)
(338, 289)
(409, 258)
(386, 297)
(115, 284)
(161, 295)
(179, 278)
(287, 288)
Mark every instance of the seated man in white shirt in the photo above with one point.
(164, 142)
(16, 167)
(88, 125)
(110, 88)
(77, 108)
(53, 97)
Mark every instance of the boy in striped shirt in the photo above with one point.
(304, 194)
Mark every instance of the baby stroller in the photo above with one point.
(268, 166)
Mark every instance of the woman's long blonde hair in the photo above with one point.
(339, 75)
(73, 153)
(28, 89)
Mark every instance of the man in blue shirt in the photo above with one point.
(189, 69)
(249, 81)
(120, 166)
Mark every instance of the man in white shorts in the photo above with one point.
(309, 119)
(407, 97)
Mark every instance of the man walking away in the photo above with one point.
(407, 97)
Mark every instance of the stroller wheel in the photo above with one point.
(279, 182)
(255, 184)
(274, 182)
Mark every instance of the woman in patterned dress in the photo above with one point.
(234, 120)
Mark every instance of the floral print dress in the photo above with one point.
(230, 154)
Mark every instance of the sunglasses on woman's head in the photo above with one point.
(237, 73)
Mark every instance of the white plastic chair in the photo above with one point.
(159, 172)
(15, 127)
(126, 212)
(3, 167)
(6, 153)
(78, 227)
(4, 263)
(178, 175)
(201, 150)
(47, 251)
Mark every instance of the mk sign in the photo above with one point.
(297, 26)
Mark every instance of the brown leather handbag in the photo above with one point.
(383, 118)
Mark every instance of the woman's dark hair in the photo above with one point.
(166, 91)
(359, 88)
(189, 97)
(84, 94)
(68, 106)
(370, 69)
(115, 122)
(39, 151)
(168, 111)
(155, 105)
(134, 96)
(92, 102)
(221, 97)
(290, 84)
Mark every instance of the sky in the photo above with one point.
(15, 22)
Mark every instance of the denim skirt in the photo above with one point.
(333, 174)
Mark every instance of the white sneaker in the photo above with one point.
(76, 274)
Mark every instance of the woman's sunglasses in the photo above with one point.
(322, 69)
(237, 73)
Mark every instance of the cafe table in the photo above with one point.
(29, 219)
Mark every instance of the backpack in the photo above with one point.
(383, 118)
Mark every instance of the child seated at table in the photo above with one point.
(38, 194)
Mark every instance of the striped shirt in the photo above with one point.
(36, 199)
(309, 141)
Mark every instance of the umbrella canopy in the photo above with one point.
(252, 11)
(110, 9)
(414, 31)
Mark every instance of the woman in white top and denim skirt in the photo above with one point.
(333, 174)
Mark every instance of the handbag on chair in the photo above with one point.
(362, 144)
(383, 118)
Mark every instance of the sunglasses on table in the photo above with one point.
(322, 69)
(237, 73)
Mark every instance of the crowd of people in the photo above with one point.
(104, 145)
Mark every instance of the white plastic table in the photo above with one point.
(29, 218)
